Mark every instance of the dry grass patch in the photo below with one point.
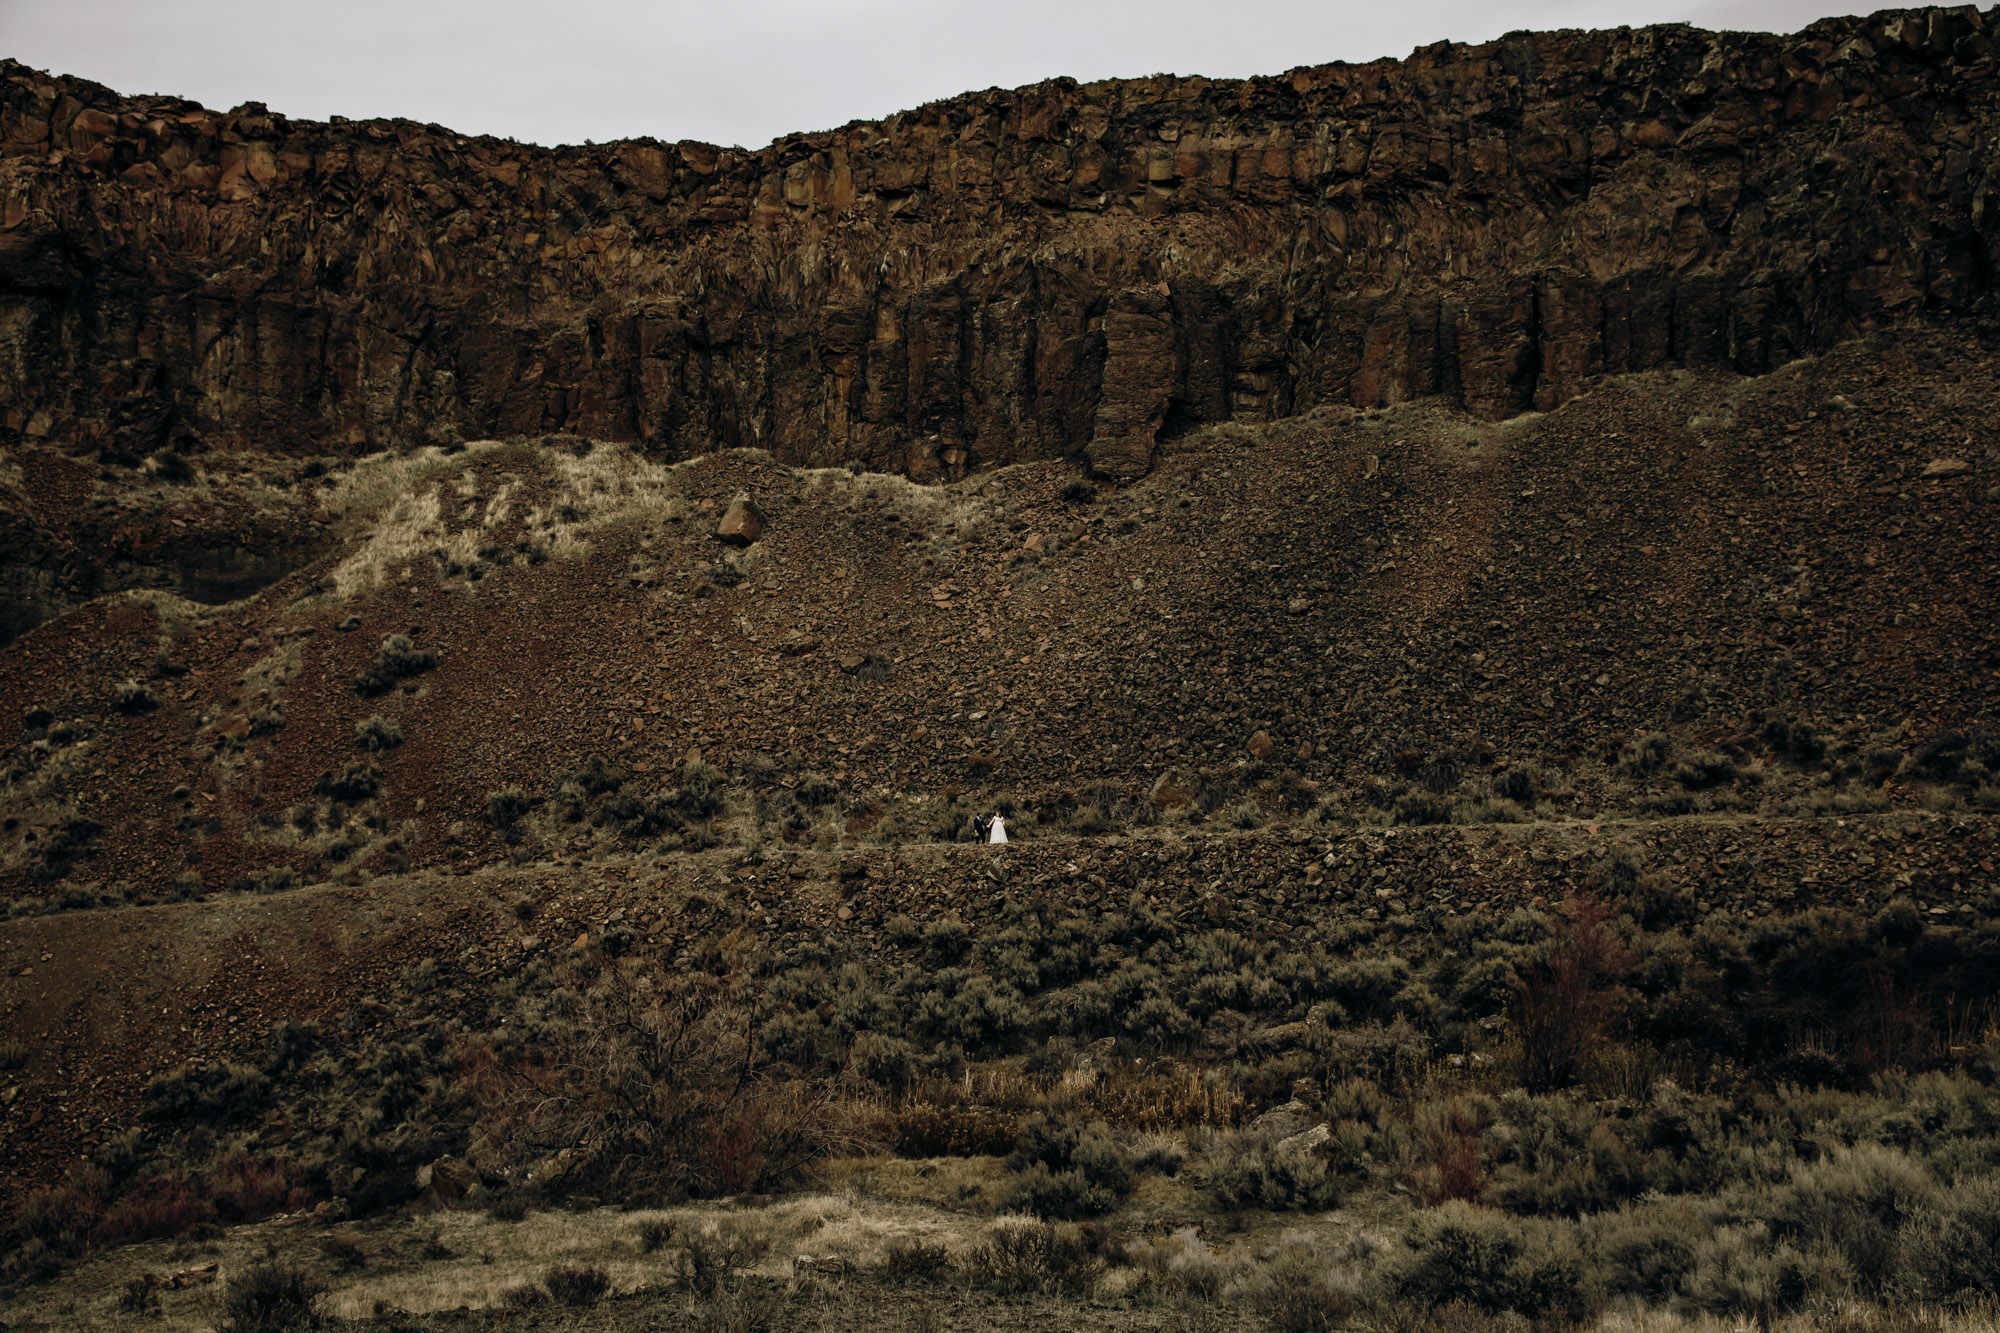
(376, 481)
(488, 1258)
(428, 504)
(411, 528)
(1856, 1319)
(974, 1183)
(947, 515)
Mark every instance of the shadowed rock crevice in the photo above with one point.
(68, 535)
(36, 586)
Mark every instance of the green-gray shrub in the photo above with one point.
(1647, 1251)
(1252, 1173)
(378, 733)
(395, 660)
(505, 807)
(1034, 1258)
(1458, 1252)
(1857, 1204)
(271, 1298)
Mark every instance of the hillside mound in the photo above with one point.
(1678, 594)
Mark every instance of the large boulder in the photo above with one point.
(742, 524)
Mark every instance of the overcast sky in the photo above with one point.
(740, 71)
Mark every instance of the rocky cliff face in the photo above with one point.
(1003, 276)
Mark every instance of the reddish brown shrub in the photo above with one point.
(665, 1078)
(1893, 1030)
(1565, 1005)
(926, 1129)
(245, 1188)
(152, 1208)
(61, 1217)
(1455, 1169)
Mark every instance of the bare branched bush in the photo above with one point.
(709, 1255)
(1454, 1169)
(1565, 1005)
(656, 1085)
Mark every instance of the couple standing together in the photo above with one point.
(990, 828)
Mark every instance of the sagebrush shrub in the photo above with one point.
(1298, 1292)
(1034, 1258)
(887, 1062)
(1704, 769)
(198, 1093)
(1090, 821)
(1255, 1174)
(1184, 1262)
(505, 807)
(1067, 1169)
(1423, 807)
(272, 1298)
(700, 794)
(278, 879)
(595, 777)
(1520, 783)
(815, 791)
(135, 696)
(1065, 1195)
(576, 1284)
(1645, 754)
(378, 733)
(396, 660)
(910, 1259)
(1858, 1204)
(65, 844)
(1647, 1251)
(1457, 1252)
(1951, 1245)
(947, 939)
(354, 782)
(1491, 811)
(1486, 987)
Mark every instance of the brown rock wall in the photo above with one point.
(1006, 275)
